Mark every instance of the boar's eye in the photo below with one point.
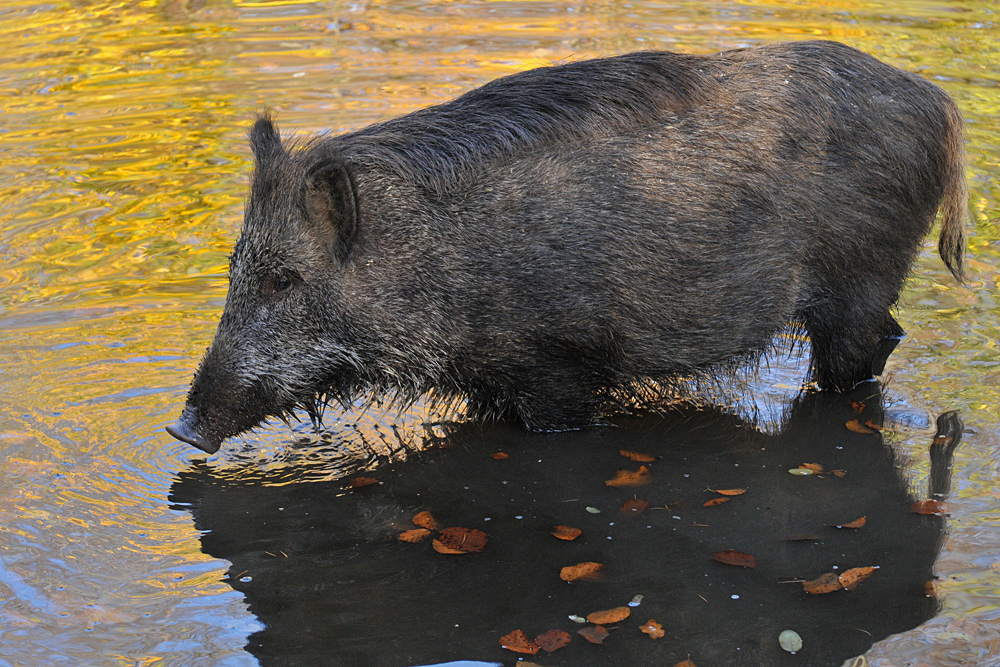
(278, 285)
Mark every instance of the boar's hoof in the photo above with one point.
(183, 429)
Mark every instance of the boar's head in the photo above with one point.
(282, 341)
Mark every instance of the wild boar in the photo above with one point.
(571, 239)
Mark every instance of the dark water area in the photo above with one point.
(322, 567)
(123, 166)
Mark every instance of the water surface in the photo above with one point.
(122, 173)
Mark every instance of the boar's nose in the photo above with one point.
(185, 429)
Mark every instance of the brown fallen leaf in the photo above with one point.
(460, 541)
(553, 640)
(415, 535)
(637, 457)
(929, 588)
(851, 578)
(582, 572)
(595, 634)
(737, 558)
(858, 406)
(499, 456)
(815, 467)
(639, 477)
(873, 426)
(857, 523)
(839, 473)
(825, 583)
(855, 425)
(927, 507)
(803, 537)
(566, 533)
(715, 501)
(360, 482)
(653, 629)
(634, 507)
(609, 616)
(518, 642)
(729, 492)
(426, 520)
(685, 663)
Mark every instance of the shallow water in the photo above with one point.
(122, 173)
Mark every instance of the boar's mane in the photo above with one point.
(435, 147)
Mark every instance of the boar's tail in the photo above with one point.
(954, 205)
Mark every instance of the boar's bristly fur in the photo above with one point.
(565, 239)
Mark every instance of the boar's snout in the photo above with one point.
(186, 430)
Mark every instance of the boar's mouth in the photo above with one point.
(185, 429)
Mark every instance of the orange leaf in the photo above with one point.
(426, 520)
(608, 616)
(685, 663)
(815, 467)
(858, 406)
(637, 457)
(415, 535)
(927, 507)
(566, 532)
(729, 492)
(553, 640)
(738, 558)
(499, 456)
(359, 482)
(855, 576)
(855, 425)
(634, 507)
(460, 541)
(857, 523)
(582, 572)
(840, 473)
(825, 583)
(628, 478)
(595, 634)
(715, 501)
(873, 426)
(518, 642)
(653, 629)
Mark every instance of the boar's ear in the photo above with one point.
(332, 207)
(265, 142)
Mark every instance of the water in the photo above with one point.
(122, 172)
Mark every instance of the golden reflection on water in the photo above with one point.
(122, 167)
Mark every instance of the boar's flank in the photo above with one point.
(566, 238)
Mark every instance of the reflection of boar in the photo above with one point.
(349, 593)
(564, 239)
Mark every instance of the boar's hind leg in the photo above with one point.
(851, 342)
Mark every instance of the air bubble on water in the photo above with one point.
(247, 579)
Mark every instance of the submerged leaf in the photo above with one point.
(715, 501)
(595, 634)
(460, 541)
(566, 533)
(729, 492)
(499, 456)
(582, 572)
(634, 507)
(855, 576)
(361, 482)
(553, 640)
(815, 467)
(426, 520)
(790, 641)
(653, 629)
(857, 523)
(639, 477)
(737, 558)
(855, 425)
(608, 616)
(518, 642)
(927, 507)
(637, 457)
(858, 406)
(415, 535)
